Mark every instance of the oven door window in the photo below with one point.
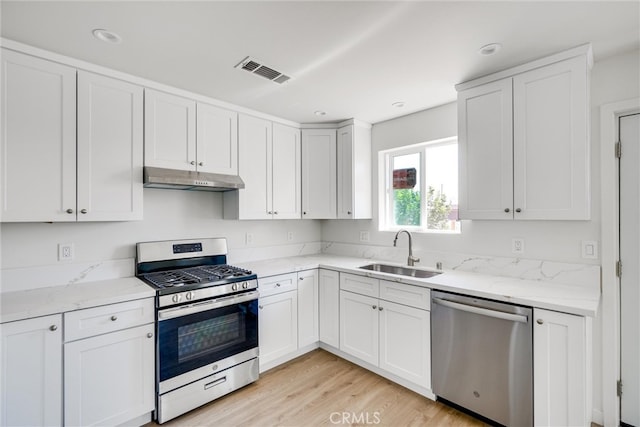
(191, 341)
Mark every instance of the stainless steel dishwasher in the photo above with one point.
(482, 358)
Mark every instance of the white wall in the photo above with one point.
(168, 214)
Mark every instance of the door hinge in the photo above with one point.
(619, 268)
(618, 150)
(619, 388)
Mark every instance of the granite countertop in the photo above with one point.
(544, 293)
(575, 299)
(20, 305)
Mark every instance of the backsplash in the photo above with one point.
(519, 268)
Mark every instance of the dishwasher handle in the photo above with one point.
(481, 311)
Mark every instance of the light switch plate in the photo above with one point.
(249, 239)
(65, 251)
(589, 249)
(364, 236)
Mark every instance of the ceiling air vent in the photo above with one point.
(255, 67)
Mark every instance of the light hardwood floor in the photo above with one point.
(320, 389)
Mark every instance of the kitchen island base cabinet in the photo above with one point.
(562, 369)
(31, 372)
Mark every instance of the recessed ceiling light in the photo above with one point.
(489, 49)
(398, 104)
(320, 113)
(107, 36)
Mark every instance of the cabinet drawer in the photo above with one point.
(413, 296)
(359, 284)
(277, 284)
(107, 318)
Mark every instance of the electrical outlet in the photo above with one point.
(289, 236)
(249, 238)
(517, 246)
(65, 251)
(589, 249)
(364, 236)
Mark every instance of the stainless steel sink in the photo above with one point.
(401, 270)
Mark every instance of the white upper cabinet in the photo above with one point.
(183, 134)
(38, 139)
(269, 164)
(109, 149)
(354, 172)
(319, 200)
(524, 142)
(95, 175)
(170, 131)
(216, 140)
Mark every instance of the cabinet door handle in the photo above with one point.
(261, 307)
(374, 307)
(507, 210)
(270, 212)
(539, 321)
(301, 278)
(201, 164)
(304, 213)
(380, 308)
(348, 212)
(53, 327)
(149, 335)
(69, 211)
(275, 212)
(192, 162)
(518, 210)
(83, 211)
(114, 318)
(277, 285)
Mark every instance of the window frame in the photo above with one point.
(385, 186)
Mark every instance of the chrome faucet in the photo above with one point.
(411, 260)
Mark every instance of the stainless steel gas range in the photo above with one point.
(206, 322)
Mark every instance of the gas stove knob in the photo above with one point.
(245, 285)
(176, 298)
(189, 296)
(234, 287)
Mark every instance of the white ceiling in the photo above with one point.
(350, 59)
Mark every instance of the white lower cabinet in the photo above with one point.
(109, 379)
(278, 318)
(307, 307)
(562, 368)
(329, 307)
(393, 333)
(31, 372)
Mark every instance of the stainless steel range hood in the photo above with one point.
(190, 180)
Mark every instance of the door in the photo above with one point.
(307, 307)
(485, 144)
(31, 372)
(216, 140)
(405, 342)
(329, 307)
(629, 128)
(169, 131)
(38, 140)
(110, 378)
(551, 142)
(109, 149)
(319, 174)
(254, 145)
(278, 327)
(287, 172)
(345, 172)
(359, 326)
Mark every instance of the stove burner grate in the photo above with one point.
(195, 275)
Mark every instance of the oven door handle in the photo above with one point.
(171, 313)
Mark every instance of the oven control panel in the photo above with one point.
(183, 248)
(207, 292)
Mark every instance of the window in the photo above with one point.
(419, 187)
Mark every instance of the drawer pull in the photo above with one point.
(539, 321)
(215, 383)
(149, 335)
(261, 307)
(277, 285)
(374, 307)
(380, 308)
(114, 318)
(53, 327)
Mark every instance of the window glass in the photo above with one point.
(420, 191)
